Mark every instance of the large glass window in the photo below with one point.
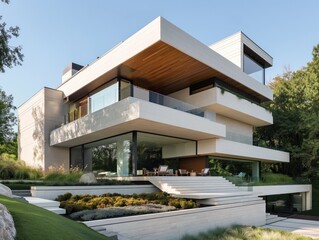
(237, 171)
(111, 156)
(154, 150)
(114, 156)
(104, 96)
(253, 69)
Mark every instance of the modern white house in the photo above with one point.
(159, 97)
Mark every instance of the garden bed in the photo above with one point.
(92, 207)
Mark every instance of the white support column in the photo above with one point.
(308, 200)
(255, 171)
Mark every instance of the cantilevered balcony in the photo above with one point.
(230, 149)
(148, 112)
(227, 104)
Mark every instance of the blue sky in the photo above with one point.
(56, 33)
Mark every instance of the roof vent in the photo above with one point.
(70, 70)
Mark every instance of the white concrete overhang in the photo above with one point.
(280, 189)
(232, 106)
(227, 104)
(162, 58)
(133, 114)
(230, 149)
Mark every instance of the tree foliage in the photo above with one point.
(295, 111)
(7, 119)
(9, 55)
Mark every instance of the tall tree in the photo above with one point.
(9, 55)
(7, 118)
(295, 111)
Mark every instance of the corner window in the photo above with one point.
(254, 65)
(253, 69)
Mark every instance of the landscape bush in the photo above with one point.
(63, 178)
(16, 169)
(275, 178)
(88, 202)
(245, 233)
(60, 178)
(111, 212)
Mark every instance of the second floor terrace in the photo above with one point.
(118, 107)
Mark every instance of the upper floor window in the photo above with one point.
(104, 96)
(253, 69)
(254, 65)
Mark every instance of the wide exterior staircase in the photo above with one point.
(206, 190)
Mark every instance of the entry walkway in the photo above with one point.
(303, 227)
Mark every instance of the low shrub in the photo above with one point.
(64, 197)
(245, 232)
(79, 202)
(16, 169)
(59, 178)
(275, 178)
(62, 178)
(111, 212)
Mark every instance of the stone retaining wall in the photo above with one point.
(176, 224)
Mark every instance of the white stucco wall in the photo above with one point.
(30, 131)
(176, 224)
(226, 148)
(37, 117)
(235, 130)
(230, 48)
(227, 104)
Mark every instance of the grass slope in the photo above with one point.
(246, 233)
(34, 223)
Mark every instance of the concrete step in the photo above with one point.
(49, 205)
(181, 188)
(44, 203)
(229, 200)
(60, 211)
(22, 193)
(183, 185)
(194, 191)
(273, 219)
(212, 195)
(215, 202)
(270, 216)
(192, 181)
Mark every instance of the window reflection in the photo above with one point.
(105, 96)
(253, 69)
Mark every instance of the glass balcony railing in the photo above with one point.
(150, 96)
(174, 103)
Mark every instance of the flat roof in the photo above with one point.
(162, 58)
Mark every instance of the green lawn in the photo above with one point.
(246, 233)
(34, 223)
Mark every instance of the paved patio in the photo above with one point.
(300, 226)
